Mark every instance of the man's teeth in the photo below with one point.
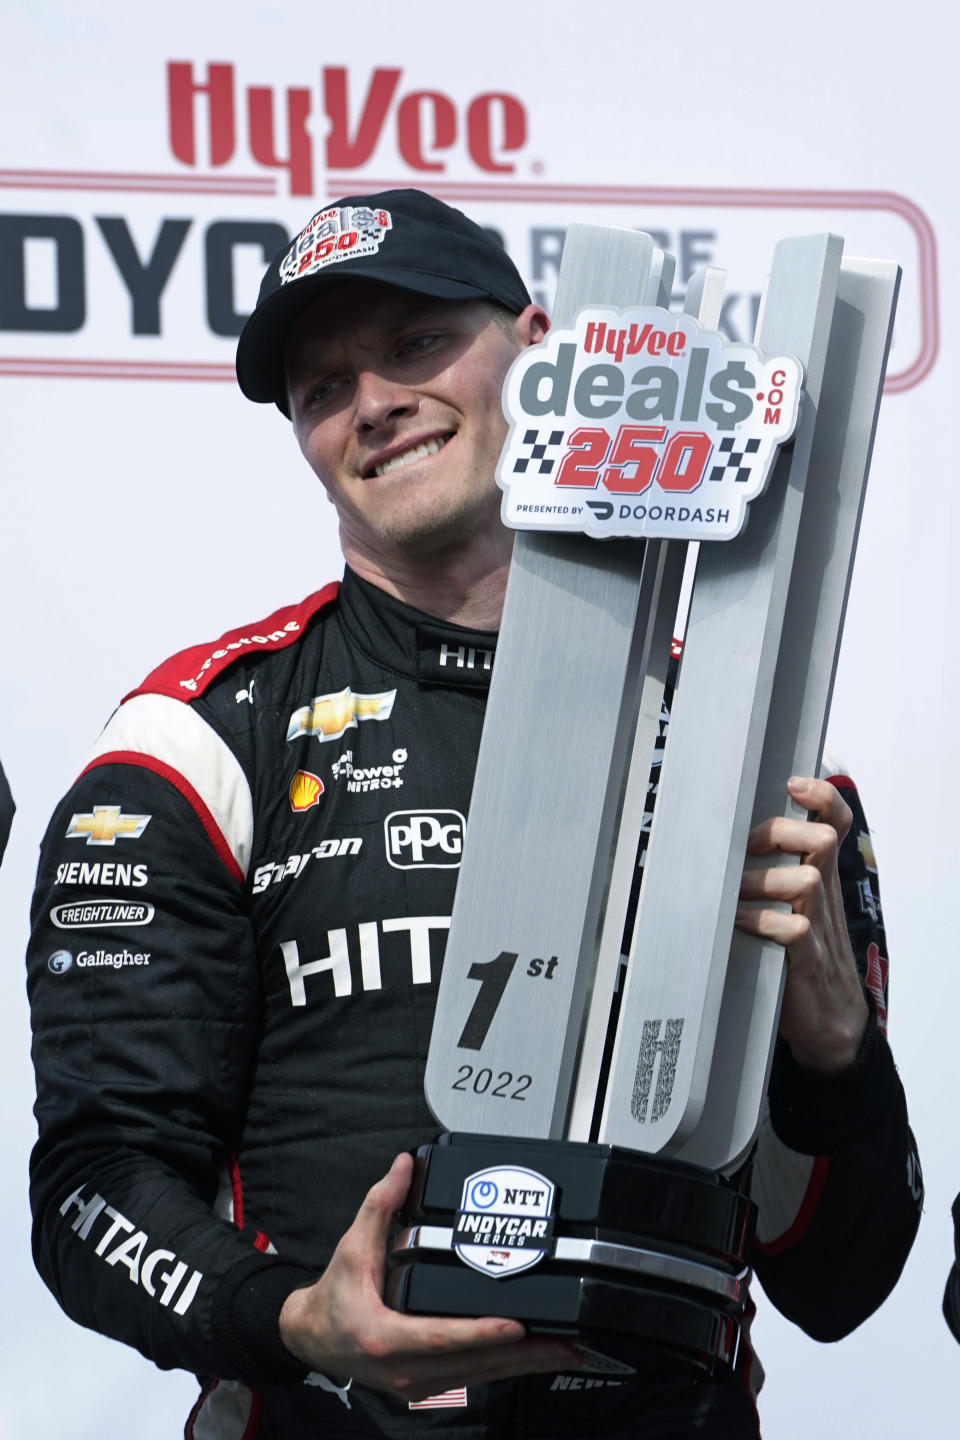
(418, 452)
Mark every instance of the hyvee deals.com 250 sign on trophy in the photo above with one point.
(599, 1060)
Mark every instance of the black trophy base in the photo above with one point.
(641, 1262)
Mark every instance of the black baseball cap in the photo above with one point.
(399, 237)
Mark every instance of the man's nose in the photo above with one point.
(380, 400)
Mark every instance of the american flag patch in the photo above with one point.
(450, 1399)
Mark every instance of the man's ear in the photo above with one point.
(531, 325)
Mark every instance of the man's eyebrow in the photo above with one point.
(432, 306)
(426, 312)
(317, 352)
(311, 352)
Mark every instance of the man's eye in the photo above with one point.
(417, 344)
(319, 393)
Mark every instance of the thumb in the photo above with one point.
(382, 1201)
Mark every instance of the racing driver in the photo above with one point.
(236, 943)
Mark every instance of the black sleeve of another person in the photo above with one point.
(951, 1295)
(7, 808)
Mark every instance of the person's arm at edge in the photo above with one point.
(836, 1173)
(7, 810)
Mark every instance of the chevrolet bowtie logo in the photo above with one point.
(105, 824)
(330, 716)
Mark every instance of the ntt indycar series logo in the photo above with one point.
(505, 1220)
(640, 422)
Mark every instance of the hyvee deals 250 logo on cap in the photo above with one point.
(347, 232)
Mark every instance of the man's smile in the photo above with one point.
(419, 450)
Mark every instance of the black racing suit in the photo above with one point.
(238, 928)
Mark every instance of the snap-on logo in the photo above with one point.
(424, 839)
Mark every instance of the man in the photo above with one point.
(230, 1049)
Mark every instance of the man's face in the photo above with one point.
(395, 402)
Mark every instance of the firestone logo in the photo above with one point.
(428, 127)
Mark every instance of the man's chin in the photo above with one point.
(431, 534)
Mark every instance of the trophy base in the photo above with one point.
(639, 1262)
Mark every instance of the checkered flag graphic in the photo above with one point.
(538, 452)
(733, 459)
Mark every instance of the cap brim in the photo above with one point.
(264, 337)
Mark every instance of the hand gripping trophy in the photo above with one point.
(602, 1046)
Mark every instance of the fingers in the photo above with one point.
(816, 841)
(433, 1337)
(805, 887)
(415, 1356)
(823, 798)
(801, 908)
(802, 887)
(794, 884)
(812, 839)
(381, 1203)
(412, 1382)
(341, 1326)
(790, 929)
(363, 1247)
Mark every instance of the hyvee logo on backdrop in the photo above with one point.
(427, 127)
(71, 267)
(150, 273)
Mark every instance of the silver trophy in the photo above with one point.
(599, 1062)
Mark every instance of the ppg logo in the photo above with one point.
(424, 839)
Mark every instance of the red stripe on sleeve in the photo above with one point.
(811, 1200)
(840, 780)
(160, 767)
(236, 1191)
(187, 674)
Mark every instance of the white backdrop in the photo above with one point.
(147, 506)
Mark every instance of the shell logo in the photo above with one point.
(305, 790)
